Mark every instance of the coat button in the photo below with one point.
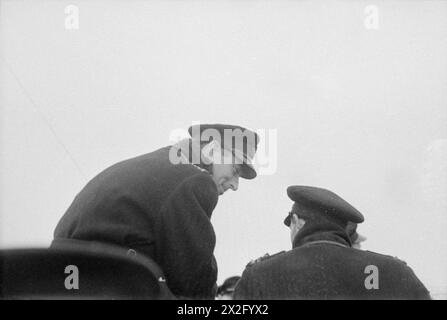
(131, 252)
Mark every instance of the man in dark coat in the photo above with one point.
(160, 204)
(322, 264)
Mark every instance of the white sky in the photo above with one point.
(361, 112)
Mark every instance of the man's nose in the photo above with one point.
(234, 183)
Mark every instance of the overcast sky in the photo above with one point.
(358, 105)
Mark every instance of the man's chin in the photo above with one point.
(221, 190)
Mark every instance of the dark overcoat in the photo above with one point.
(322, 265)
(156, 208)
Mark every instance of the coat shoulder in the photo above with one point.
(385, 258)
(266, 258)
(200, 183)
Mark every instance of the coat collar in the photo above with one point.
(307, 244)
(321, 231)
(190, 153)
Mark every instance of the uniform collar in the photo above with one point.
(188, 153)
(321, 231)
(307, 244)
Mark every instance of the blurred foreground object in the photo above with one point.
(82, 271)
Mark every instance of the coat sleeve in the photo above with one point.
(187, 238)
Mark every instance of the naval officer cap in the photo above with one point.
(240, 141)
(318, 202)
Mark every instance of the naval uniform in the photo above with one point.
(324, 266)
(162, 208)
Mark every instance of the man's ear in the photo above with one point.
(211, 152)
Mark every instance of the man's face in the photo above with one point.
(295, 226)
(357, 245)
(225, 172)
(358, 242)
(226, 176)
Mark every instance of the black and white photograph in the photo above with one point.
(194, 150)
